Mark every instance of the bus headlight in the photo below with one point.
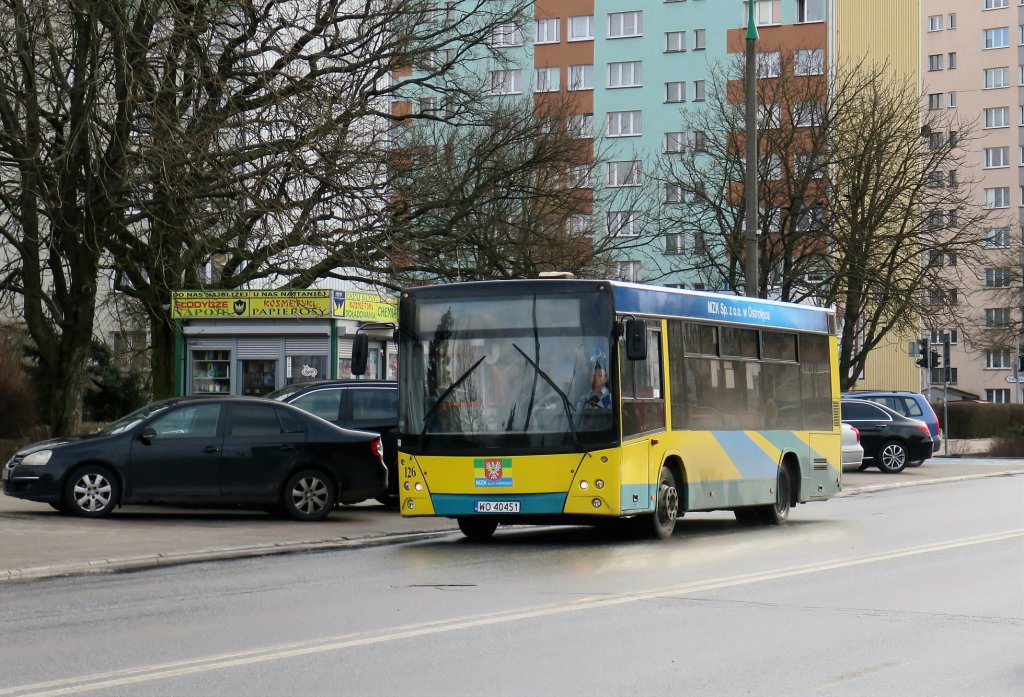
(419, 486)
(584, 485)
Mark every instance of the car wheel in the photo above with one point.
(309, 495)
(778, 513)
(90, 492)
(477, 528)
(892, 457)
(666, 507)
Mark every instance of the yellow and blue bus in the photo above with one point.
(567, 401)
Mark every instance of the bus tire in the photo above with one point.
(666, 509)
(778, 512)
(477, 529)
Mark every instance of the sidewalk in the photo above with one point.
(37, 542)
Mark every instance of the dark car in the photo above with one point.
(890, 440)
(208, 451)
(368, 405)
(911, 404)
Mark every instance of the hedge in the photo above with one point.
(980, 419)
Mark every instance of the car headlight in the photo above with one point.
(37, 459)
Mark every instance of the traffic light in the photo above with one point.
(1020, 363)
(922, 352)
(936, 359)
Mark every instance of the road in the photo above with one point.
(914, 591)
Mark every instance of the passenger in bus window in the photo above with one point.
(599, 397)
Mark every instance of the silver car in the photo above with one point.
(853, 453)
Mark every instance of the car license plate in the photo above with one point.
(497, 507)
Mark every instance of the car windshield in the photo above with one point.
(131, 420)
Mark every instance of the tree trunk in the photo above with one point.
(69, 379)
(162, 365)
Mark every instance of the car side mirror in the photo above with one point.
(636, 340)
(147, 435)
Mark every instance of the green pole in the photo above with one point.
(750, 270)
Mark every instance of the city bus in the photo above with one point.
(571, 401)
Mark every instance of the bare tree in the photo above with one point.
(162, 137)
(860, 199)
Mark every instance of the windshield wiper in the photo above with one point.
(444, 395)
(566, 405)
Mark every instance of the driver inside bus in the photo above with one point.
(599, 397)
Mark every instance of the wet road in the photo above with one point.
(916, 591)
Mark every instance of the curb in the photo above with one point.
(152, 561)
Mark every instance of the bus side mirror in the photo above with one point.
(636, 340)
(360, 353)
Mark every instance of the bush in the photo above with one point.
(980, 419)
(1010, 445)
(17, 402)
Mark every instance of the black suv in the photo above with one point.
(891, 441)
(364, 405)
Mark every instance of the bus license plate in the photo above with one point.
(497, 506)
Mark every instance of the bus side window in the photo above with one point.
(643, 404)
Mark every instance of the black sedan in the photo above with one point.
(890, 440)
(207, 451)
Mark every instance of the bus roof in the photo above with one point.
(657, 301)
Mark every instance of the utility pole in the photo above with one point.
(750, 83)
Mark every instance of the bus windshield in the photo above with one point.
(526, 370)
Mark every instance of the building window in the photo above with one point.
(700, 141)
(809, 62)
(996, 78)
(622, 25)
(935, 336)
(999, 37)
(997, 317)
(547, 31)
(581, 126)
(810, 166)
(578, 224)
(935, 61)
(675, 91)
(997, 278)
(936, 100)
(627, 74)
(506, 81)
(624, 173)
(935, 23)
(769, 115)
(997, 157)
(581, 28)
(952, 20)
(504, 35)
(997, 117)
(951, 56)
(952, 100)
(698, 91)
(997, 197)
(807, 113)
(675, 41)
(581, 176)
(810, 10)
(581, 77)
(997, 359)
(546, 79)
(769, 64)
(624, 123)
(627, 270)
(675, 141)
(998, 396)
(939, 376)
(699, 39)
(673, 193)
(995, 4)
(623, 224)
(765, 12)
(674, 243)
(997, 238)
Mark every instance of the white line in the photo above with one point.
(164, 671)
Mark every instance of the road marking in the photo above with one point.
(164, 671)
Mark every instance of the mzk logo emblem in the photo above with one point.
(239, 307)
(492, 472)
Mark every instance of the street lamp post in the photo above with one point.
(750, 85)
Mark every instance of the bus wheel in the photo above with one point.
(478, 528)
(667, 509)
(778, 513)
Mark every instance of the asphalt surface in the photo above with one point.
(37, 542)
